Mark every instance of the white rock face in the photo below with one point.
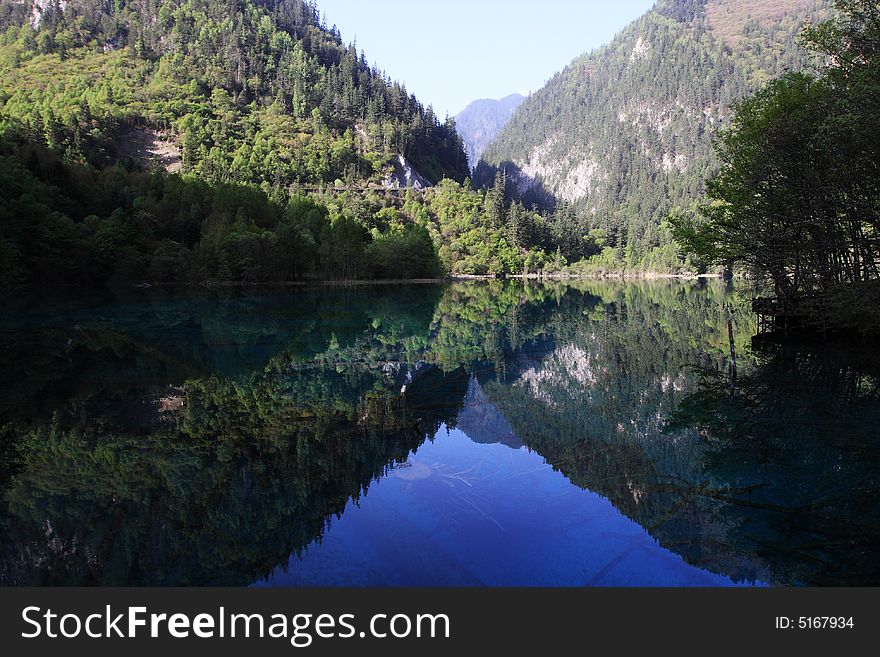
(538, 167)
(40, 7)
(677, 161)
(583, 180)
(569, 183)
(641, 49)
(569, 369)
(405, 176)
(575, 173)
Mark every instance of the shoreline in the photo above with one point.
(548, 278)
(317, 283)
(641, 276)
(635, 276)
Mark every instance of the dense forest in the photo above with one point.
(67, 222)
(254, 102)
(797, 200)
(252, 91)
(625, 134)
(165, 142)
(183, 142)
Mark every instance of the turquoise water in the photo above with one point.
(471, 434)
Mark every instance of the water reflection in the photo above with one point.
(792, 459)
(470, 514)
(471, 434)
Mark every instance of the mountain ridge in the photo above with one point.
(624, 133)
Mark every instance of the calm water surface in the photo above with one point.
(473, 434)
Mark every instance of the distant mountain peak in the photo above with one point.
(481, 121)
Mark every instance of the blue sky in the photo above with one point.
(451, 52)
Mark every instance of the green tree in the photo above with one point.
(796, 200)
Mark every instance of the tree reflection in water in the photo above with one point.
(201, 439)
(792, 455)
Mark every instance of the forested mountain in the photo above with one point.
(251, 91)
(481, 121)
(185, 141)
(191, 140)
(188, 141)
(624, 134)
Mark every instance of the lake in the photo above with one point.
(499, 433)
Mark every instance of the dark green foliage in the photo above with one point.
(65, 224)
(797, 200)
(756, 423)
(252, 101)
(408, 254)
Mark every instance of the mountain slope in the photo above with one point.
(625, 133)
(185, 141)
(252, 91)
(481, 121)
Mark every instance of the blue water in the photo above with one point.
(471, 434)
(458, 513)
